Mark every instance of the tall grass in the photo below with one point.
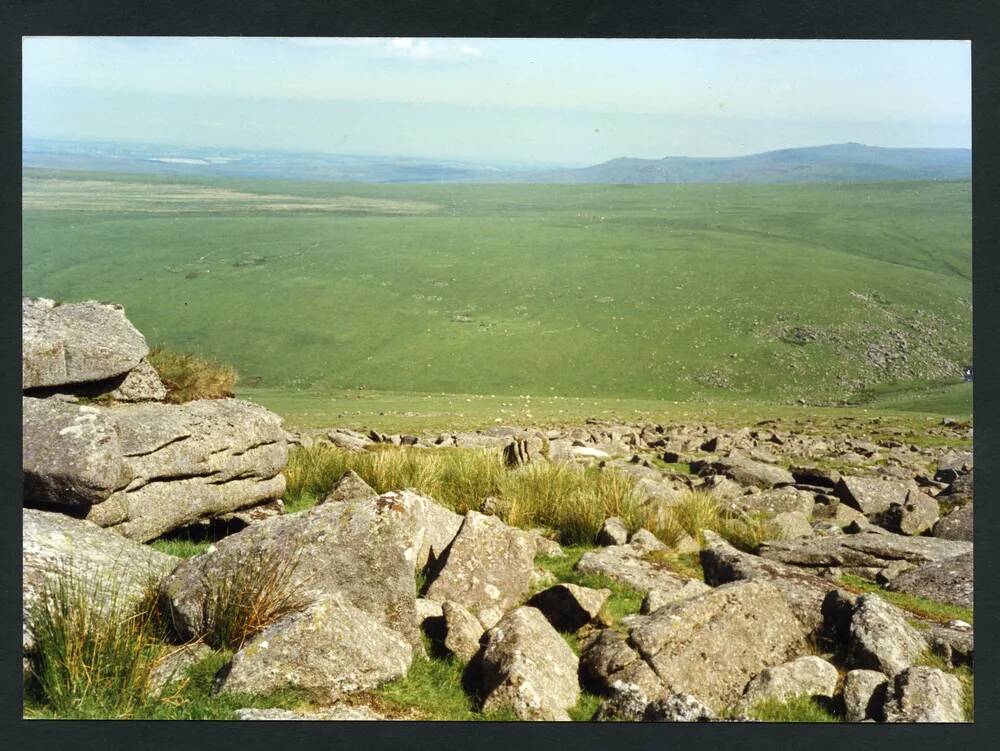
(188, 377)
(558, 497)
(248, 597)
(96, 649)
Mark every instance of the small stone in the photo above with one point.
(613, 532)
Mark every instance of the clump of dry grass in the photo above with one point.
(249, 596)
(95, 648)
(699, 511)
(188, 377)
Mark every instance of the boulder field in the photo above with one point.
(381, 580)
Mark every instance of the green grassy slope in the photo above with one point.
(650, 292)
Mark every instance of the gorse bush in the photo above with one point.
(569, 500)
(188, 377)
(96, 648)
(248, 597)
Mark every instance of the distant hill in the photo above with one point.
(847, 162)
(838, 163)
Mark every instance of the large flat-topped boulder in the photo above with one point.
(145, 469)
(55, 544)
(74, 343)
(866, 550)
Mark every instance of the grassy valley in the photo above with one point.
(333, 299)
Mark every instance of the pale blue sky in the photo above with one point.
(577, 101)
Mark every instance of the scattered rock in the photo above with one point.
(363, 551)
(71, 343)
(948, 580)
(350, 487)
(613, 532)
(924, 694)
(522, 451)
(786, 499)
(804, 676)
(528, 668)
(624, 564)
(141, 384)
(657, 598)
(880, 638)
(330, 650)
(745, 471)
(792, 524)
(712, 645)
(54, 545)
(488, 566)
(956, 525)
(864, 695)
(916, 515)
(677, 707)
(463, 631)
(569, 607)
(869, 495)
(646, 541)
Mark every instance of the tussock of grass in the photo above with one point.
(698, 511)
(573, 503)
(932, 610)
(795, 709)
(188, 377)
(586, 707)
(249, 597)
(95, 652)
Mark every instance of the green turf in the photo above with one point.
(919, 606)
(693, 293)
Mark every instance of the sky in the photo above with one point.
(501, 101)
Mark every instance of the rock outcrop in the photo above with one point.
(145, 469)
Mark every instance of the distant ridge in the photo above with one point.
(835, 163)
(846, 162)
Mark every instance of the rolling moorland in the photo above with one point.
(419, 306)
(683, 397)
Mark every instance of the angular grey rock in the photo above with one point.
(627, 703)
(569, 607)
(71, 454)
(948, 580)
(625, 564)
(677, 707)
(880, 638)
(916, 515)
(330, 650)
(488, 566)
(173, 665)
(523, 450)
(864, 695)
(804, 676)
(338, 712)
(956, 524)
(864, 550)
(613, 532)
(350, 487)
(364, 551)
(142, 384)
(463, 631)
(646, 541)
(528, 668)
(146, 469)
(775, 501)
(924, 694)
(348, 440)
(824, 478)
(54, 544)
(804, 593)
(953, 641)
(870, 495)
(427, 609)
(792, 525)
(835, 512)
(657, 598)
(712, 645)
(607, 659)
(76, 343)
(745, 471)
